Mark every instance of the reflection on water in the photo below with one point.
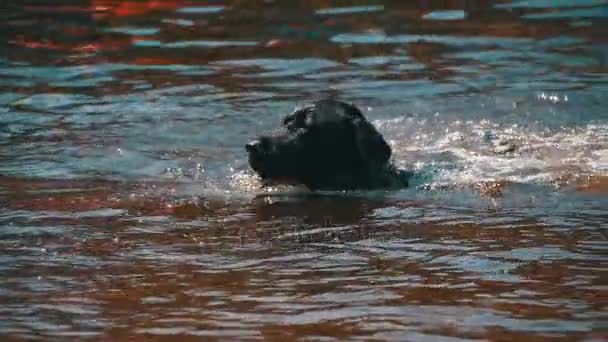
(127, 209)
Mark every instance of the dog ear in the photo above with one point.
(370, 143)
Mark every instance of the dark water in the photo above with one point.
(127, 210)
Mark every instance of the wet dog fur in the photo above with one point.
(328, 145)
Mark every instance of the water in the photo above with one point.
(127, 209)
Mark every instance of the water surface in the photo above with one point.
(128, 211)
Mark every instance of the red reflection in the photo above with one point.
(133, 8)
(79, 34)
(111, 7)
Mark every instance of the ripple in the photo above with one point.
(379, 38)
(497, 57)
(551, 4)
(349, 10)
(542, 254)
(208, 44)
(280, 67)
(599, 12)
(201, 9)
(134, 31)
(53, 101)
(445, 15)
(85, 75)
(193, 43)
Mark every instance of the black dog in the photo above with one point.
(326, 146)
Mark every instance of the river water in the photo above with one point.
(128, 211)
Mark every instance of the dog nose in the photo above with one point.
(252, 146)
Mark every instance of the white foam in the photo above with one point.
(468, 151)
(601, 163)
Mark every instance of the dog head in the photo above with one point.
(327, 145)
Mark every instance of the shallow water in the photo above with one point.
(127, 209)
